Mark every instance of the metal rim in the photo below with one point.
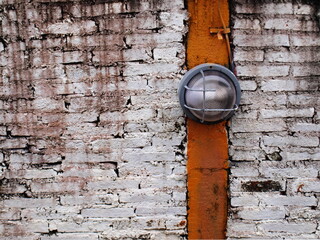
(201, 68)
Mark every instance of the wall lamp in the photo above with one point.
(209, 93)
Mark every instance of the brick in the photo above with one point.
(145, 211)
(165, 53)
(143, 69)
(267, 213)
(309, 40)
(290, 201)
(149, 39)
(304, 227)
(287, 85)
(268, 8)
(240, 229)
(143, 21)
(252, 56)
(263, 71)
(173, 22)
(303, 9)
(247, 200)
(108, 212)
(10, 214)
(261, 40)
(53, 187)
(247, 24)
(72, 236)
(302, 155)
(17, 202)
(305, 127)
(290, 172)
(291, 24)
(306, 185)
(72, 28)
(305, 56)
(287, 113)
(143, 197)
(291, 141)
(300, 71)
(247, 125)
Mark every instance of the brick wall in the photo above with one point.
(92, 137)
(274, 138)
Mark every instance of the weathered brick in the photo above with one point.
(252, 56)
(261, 40)
(107, 212)
(291, 141)
(267, 213)
(290, 201)
(72, 28)
(247, 125)
(306, 185)
(304, 227)
(288, 85)
(246, 200)
(268, 8)
(287, 113)
(263, 71)
(291, 24)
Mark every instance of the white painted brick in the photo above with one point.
(31, 174)
(74, 28)
(240, 229)
(55, 187)
(287, 85)
(305, 56)
(156, 68)
(245, 171)
(261, 40)
(263, 71)
(266, 213)
(304, 99)
(305, 127)
(10, 214)
(123, 184)
(165, 53)
(29, 202)
(108, 212)
(251, 56)
(302, 227)
(143, 197)
(268, 8)
(308, 40)
(247, 200)
(72, 236)
(248, 125)
(287, 113)
(301, 71)
(291, 24)
(173, 22)
(288, 172)
(248, 155)
(293, 156)
(147, 211)
(291, 141)
(303, 9)
(149, 156)
(143, 39)
(290, 201)
(247, 24)
(306, 185)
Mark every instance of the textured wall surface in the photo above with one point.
(274, 139)
(91, 135)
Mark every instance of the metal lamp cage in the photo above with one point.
(209, 93)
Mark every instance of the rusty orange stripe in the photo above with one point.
(207, 144)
